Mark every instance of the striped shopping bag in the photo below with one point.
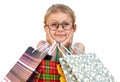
(26, 65)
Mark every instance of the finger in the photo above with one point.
(49, 37)
(70, 37)
(68, 41)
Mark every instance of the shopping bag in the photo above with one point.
(86, 67)
(60, 71)
(47, 70)
(26, 65)
(67, 70)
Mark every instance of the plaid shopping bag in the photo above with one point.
(25, 66)
(86, 67)
(47, 72)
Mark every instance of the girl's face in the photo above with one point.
(60, 25)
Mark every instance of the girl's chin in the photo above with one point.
(59, 40)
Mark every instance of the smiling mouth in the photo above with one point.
(60, 35)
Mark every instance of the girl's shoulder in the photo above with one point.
(80, 46)
(40, 43)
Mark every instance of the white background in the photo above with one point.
(98, 21)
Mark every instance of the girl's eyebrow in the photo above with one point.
(58, 22)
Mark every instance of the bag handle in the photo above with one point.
(68, 51)
(45, 47)
(52, 48)
(57, 57)
(63, 54)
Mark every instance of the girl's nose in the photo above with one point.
(60, 28)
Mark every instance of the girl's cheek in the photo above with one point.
(53, 35)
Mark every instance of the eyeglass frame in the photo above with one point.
(58, 24)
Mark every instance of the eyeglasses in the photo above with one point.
(55, 25)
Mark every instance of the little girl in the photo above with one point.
(59, 25)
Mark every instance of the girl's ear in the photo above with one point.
(45, 27)
(74, 27)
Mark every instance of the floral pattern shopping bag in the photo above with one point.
(86, 67)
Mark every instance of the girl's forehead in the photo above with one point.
(59, 16)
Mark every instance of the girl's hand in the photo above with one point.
(68, 40)
(67, 43)
(49, 38)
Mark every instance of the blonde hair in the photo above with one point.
(59, 8)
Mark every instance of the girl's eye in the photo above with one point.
(53, 24)
(66, 24)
